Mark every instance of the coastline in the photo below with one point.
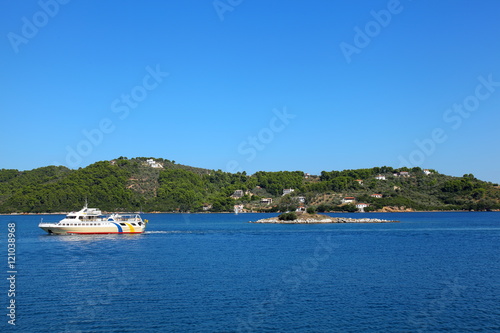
(333, 212)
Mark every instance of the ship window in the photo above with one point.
(123, 224)
(133, 224)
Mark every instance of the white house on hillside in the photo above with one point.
(152, 163)
(237, 194)
(380, 177)
(348, 200)
(288, 191)
(361, 206)
(266, 201)
(238, 208)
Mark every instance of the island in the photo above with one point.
(148, 184)
(305, 218)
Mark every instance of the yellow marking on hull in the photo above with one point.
(130, 227)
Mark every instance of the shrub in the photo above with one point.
(324, 208)
(288, 216)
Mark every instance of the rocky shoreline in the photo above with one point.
(310, 219)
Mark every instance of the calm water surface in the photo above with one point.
(432, 272)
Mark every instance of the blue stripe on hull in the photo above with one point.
(119, 227)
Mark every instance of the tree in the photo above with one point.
(349, 208)
(323, 208)
(288, 216)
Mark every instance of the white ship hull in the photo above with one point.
(88, 228)
(90, 221)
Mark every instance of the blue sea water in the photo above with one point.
(432, 272)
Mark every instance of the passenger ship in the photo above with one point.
(92, 221)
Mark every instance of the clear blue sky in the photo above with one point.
(253, 85)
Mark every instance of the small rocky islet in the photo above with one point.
(318, 218)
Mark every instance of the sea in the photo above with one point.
(430, 272)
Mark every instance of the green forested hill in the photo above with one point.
(133, 185)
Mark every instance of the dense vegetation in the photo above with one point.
(133, 185)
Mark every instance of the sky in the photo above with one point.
(255, 85)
